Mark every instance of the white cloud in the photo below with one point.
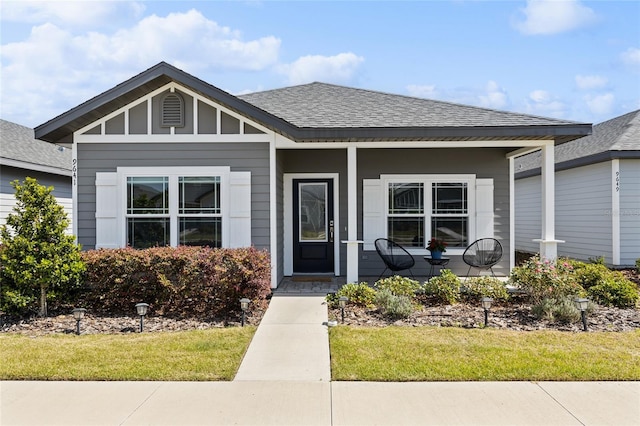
(631, 56)
(541, 102)
(491, 96)
(590, 82)
(601, 104)
(495, 96)
(340, 68)
(422, 91)
(53, 69)
(553, 16)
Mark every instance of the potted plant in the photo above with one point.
(437, 247)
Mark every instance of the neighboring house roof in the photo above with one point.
(615, 138)
(324, 112)
(21, 149)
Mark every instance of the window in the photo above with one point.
(424, 208)
(161, 206)
(199, 211)
(163, 209)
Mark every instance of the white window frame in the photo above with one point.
(174, 173)
(427, 181)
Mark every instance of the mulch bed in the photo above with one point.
(515, 315)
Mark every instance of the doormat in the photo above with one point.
(304, 279)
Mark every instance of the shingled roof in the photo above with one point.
(323, 112)
(615, 138)
(321, 105)
(21, 149)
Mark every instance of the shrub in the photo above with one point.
(542, 279)
(359, 294)
(638, 266)
(37, 256)
(392, 305)
(478, 287)
(562, 310)
(616, 291)
(181, 281)
(445, 288)
(398, 285)
(590, 274)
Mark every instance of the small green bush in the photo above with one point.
(544, 279)
(616, 291)
(478, 287)
(398, 285)
(590, 274)
(392, 305)
(359, 294)
(560, 310)
(445, 288)
(638, 266)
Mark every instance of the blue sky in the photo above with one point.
(568, 59)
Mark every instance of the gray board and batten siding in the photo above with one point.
(105, 157)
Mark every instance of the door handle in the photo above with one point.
(330, 231)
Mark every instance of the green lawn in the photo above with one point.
(213, 354)
(456, 354)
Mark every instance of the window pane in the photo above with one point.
(147, 195)
(199, 195)
(313, 211)
(451, 229)
(406, 231)
(406, 198)
(200, 231)
(145, 233)
(449, 198)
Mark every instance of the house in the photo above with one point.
(312, 173)
(21, 156)
(597, 194)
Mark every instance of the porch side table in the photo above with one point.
(442, 262)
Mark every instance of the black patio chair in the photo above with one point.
(483, 254)
(394, 256)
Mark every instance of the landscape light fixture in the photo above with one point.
(582, 304)
(142, 311)
(244, 305)
(342, 302)
(486, 305)
(78, 314)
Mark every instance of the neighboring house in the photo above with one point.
(21, 156)
(312, 173)
(597, 194)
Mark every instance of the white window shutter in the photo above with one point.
(373, 225)
(107, 231)
(484, 208)
(240, 209)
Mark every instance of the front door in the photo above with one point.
(313, 226)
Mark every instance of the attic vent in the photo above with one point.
(172, 110)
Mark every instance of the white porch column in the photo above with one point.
(352, 216)
(548, 242)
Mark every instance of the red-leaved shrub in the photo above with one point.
(180, 282)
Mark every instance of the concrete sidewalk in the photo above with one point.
(319, 403)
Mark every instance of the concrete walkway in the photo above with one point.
(291, 342)
(284, 379)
